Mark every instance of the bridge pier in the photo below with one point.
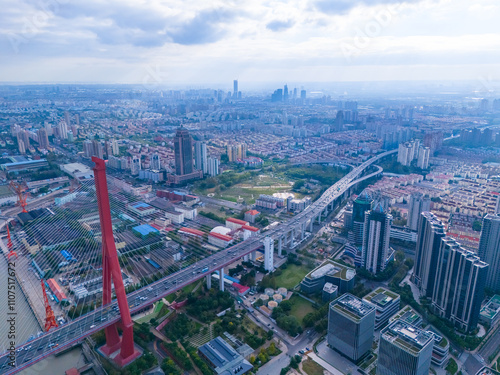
(280, 246)
(209, 281)
(221, 279)
(268, 253)
(311, 225)
(319, 218)
(253, 256)
(302, 230)
(245, 258)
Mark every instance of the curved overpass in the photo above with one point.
(73, 332)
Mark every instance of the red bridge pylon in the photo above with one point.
(112, 272)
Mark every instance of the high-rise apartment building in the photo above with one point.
(200, 156)
(20, 146)
(98, 149)
(459, 287)
(430, 232)
(376, 239)
(424, 154)
(43, 139)
(361, 204)
(235, 88)
(339, 121)
(155, 163)
(62, 129)
(213, 166)
(418, 204)
(489, 249)
(135, 167)
(404, 350)
(183, 152)
(115, 149)
(351, 323)
(88, 148)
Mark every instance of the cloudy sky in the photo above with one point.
(202, 42)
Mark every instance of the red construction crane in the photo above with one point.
(9, 245)
(50, 319)
(21, 190)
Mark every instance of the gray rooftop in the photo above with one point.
(352, 306)
(406, 336)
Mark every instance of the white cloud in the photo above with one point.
(215, 41)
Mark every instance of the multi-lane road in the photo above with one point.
(74, 331)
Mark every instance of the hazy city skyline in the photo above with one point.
(162, 43)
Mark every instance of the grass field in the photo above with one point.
(300, 307)
(250, 190)
(291, 276)
(154, 313)
(312, 368)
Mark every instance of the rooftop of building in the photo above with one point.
(406, 314)
(492, 307)
(352, 306)
(224, 358)
(334, 269)
(145, 229)
(192, 231)
(237, 221)
(406, 336)
(253, 212)
(381, 297)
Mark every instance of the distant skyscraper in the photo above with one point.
(430, 232)
(213, 167)
(351, 323)
(98, 150)
(62, 128)
(489, 250)
(88, 148)
(459, 287)
(376, 239)
(235, 88)
(303, 94)
(285, 93)
(48, 129)
(339, 121)
(67, 118)
(404, 350)
(135, 168)
(183, 152)
(43, 139)
(23, 136)
(155, 163)
(424, 154)
(114, 147)
(200, 156)
(21, 147)
(418, 204)
(362, 204)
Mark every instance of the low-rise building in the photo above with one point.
(386, 304)
(223, 359)
(332, 272)
(490, 313)
(174, 216)
(141, 209)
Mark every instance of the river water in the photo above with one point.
(26, 326)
